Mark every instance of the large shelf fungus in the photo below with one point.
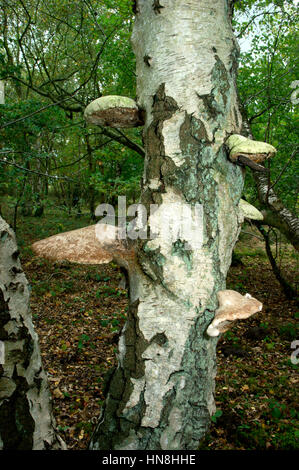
(114, 111)
(249, 211)
(95, 244)
(232, 307)
(249, 152)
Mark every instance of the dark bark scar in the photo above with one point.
(157, 6)
(147, 60)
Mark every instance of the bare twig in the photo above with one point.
(251, 21)
(253, 235)
(265, 88)
(35, 112)
(283, 170)
(6, 162)
(85, 155)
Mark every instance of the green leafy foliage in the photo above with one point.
(216, 415)
(71, 53)
(82, 341)
(267, 82)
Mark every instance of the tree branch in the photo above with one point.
(10, 123)
(124, 140)
(5, 162)
(283, 170)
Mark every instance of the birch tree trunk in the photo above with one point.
(26, 422)
(161, 394)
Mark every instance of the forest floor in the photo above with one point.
(78, 312)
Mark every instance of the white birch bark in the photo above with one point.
(2, 92)
(26, 421)
(161, 395)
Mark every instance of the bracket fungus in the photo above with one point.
(249, 152)
(114, 111)
(76, 246)
(249, 211)
(95, 244)
(232, 306)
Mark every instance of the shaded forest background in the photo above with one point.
(55, 58)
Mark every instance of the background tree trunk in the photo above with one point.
(161, 394)
(26, 421)
(2, 92)
(274, 212)
(286, 287)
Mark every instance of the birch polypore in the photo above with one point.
(77, 246)
(232, 306)
(249, 152)
(114, 111)
(249, 211)
(257, 151)
(95, 244)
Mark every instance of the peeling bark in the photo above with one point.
(26, 422)
(161, 394)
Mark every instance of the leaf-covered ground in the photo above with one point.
(78, 312)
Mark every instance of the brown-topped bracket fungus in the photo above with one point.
(77, 246)
(244, 151)
(232, 306)
(95, 244)
(114, 111)
(249, 211)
